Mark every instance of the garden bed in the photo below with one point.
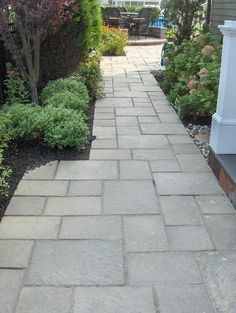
(25, 156)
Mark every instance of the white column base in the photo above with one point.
(223, 135)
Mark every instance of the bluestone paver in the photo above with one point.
(180, 210)
(60, 206)
(69, 263)
(110, 154)
(165, 166)
(184, 299)
(45, 299)
(215, 205)
(114, 300)
(26, 206)
(145, 233)
(15, 253)
(10, 286)
(85, 188)
(86, 227)
(43, 172)
(41, 188)
(135, 170)
(130, 197)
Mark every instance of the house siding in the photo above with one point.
(222, 10)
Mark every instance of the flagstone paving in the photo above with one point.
(141, 227)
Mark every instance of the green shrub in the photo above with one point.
(68, 92)
(5, 138)
(191, 77)
(16, 89)
(90, 74)
(62, 128)
(57, 127)
(114, 41)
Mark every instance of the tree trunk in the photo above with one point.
(208, 17)
(34, 93)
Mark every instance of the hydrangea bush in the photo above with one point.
(191, 77)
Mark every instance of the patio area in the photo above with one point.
(141, 227)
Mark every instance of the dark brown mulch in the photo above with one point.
(25, 156)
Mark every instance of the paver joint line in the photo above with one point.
(142, 226)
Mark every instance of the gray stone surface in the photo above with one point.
(179, 139)
(110, 154)
(85, 188)
(60, 206)
(104, 144)
(15, 253)
(180, 210)
(193, 163)
(156, 267)
(128, 130)
(165, 166)
(114, 300)
(45, 299)
(186, 184)
(223, 230)
(186, 148)
(102, 132)
(114, 103)
(29, 227)
(220, 274)
(41, 188)
(135, 112)
(189, 238)
(148, 119)
(86, 227)
(169, 118)
(142, 141)
(145, 233)
(190, 298)
(153, 154)
(46, 172)
(135, 170)
(26, 206)
(215, 204)
(76, 263)
(10, 284)
(87, 170)
(130, 197)
(162, 129)
(124, 121)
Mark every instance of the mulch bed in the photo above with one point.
(25, 156)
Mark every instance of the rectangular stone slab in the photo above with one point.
(68, 262)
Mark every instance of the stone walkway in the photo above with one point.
(142, 227)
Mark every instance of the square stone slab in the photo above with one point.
(114, 300)
(60, 206)
(46, 172)
(15, 253)
(188, 238)
(104, 132)
(41, 188)
(135, 112)
(180, 210)
(85, 188)
(186, 148)
(104, 144)
(26, 206)
(124, 121)
(184, 299)
(114, 103)
(220, 274)
(130, 197)
(135, 170)
(10, 284)
(192, 163)
(145, 233)
(215, 205)
(28, 227)
(179, 139)
(87, 170)
(142, 141)
(186, 184)
(84, 262)
(45, 299)
(154, 267)
(86, 227)
(222, 229)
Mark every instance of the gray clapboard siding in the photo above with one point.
(222, 10)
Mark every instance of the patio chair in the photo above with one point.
(114, 18)
(104, 17)
(123, 10)
(139, 25)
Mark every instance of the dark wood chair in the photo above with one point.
(139, 25)
(123, 10)
(114, 17)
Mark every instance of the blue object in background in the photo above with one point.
(160, 22)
